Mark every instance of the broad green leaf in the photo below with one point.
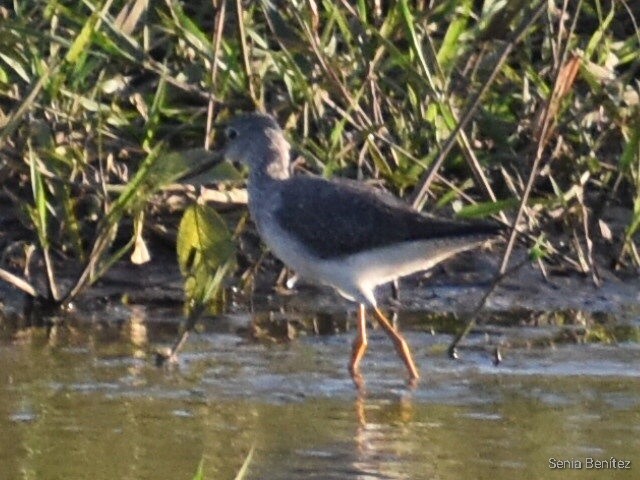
(206, 255)
(198, 166)
(168, 168)
(203, 237)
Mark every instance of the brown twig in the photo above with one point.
(245, 52)
(217, 38)
(539, 150)
(463, 140)
(18, 283)
(472, 320)
(502, 272)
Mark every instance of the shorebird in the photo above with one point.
(341, 233)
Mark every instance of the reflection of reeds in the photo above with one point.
(242, 472)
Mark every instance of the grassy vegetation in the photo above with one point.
(528, 111)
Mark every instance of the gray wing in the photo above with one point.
(338, 218)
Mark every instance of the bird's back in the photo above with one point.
(338, 218)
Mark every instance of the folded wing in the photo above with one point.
(337, 218)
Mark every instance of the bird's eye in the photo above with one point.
(231, 133)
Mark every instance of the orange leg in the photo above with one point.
(401, 345)
(359, 346)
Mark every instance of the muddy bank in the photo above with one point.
(455, 287)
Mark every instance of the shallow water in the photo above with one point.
(84, 400)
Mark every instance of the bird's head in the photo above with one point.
(256, 141)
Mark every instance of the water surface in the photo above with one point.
(84, 400)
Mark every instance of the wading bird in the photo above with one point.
(338, 232)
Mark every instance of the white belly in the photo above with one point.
(356, 276)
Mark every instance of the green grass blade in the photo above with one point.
(125, 199)
(16, 66)
(154, 118)
(189, 29)
(415, 42)
(449, 49)
(82, 41)
(39, 200)
(16, 117)
(630, 153)
(598, 35)
(486, 209)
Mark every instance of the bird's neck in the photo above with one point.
(275, 162)
(263, 181)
